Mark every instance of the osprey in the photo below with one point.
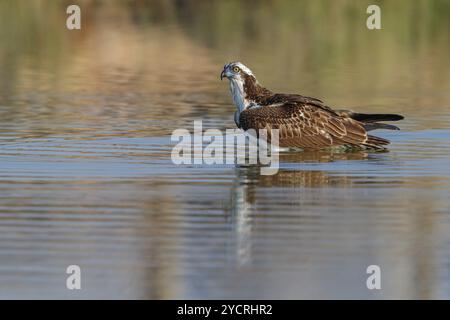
(303, 122)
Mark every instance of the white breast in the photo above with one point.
(238, 94)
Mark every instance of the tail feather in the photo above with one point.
(376, 125)
(368, 118)
(371, 122)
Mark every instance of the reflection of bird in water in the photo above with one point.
(249, 180)
(302, 122)
(315, 156)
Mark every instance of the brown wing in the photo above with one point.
(294, 99)
(305, 126)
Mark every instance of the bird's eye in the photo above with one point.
(236, 69)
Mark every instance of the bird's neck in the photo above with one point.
(247, 92)
(239, 96)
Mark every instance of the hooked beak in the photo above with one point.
(222, 74)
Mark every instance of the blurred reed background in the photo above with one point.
(86, 176)
(320, 48)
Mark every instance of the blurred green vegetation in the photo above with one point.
(37, 26)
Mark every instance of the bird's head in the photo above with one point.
(244, 87)
(236, 71)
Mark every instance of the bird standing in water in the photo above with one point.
(303, 122)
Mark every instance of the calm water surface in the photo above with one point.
(86, 176)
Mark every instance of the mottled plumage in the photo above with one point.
(303, 122)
